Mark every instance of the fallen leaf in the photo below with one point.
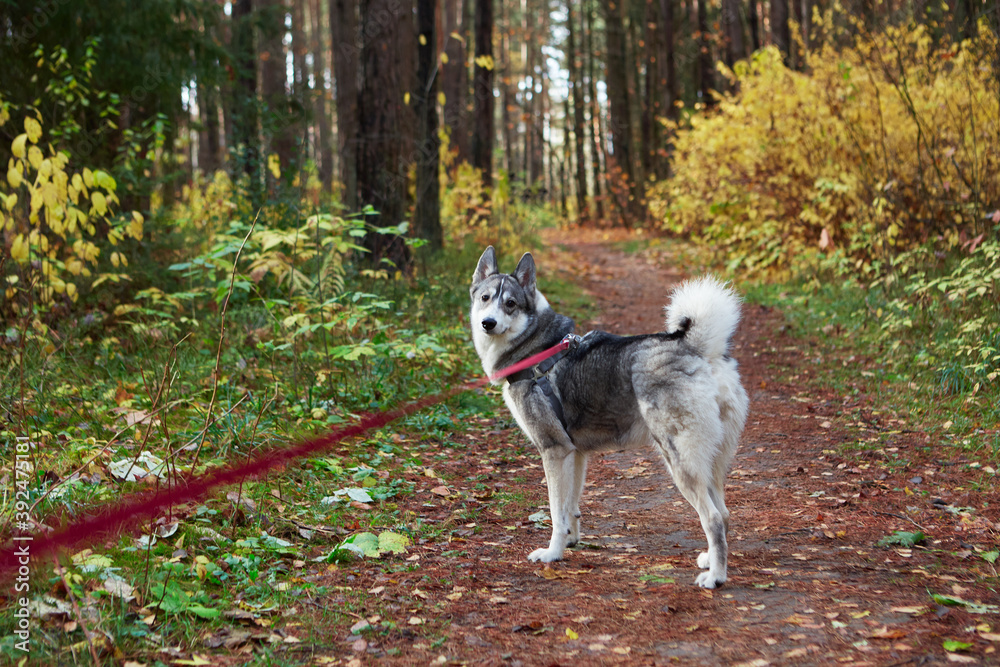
(571, 634)
(915, 610)
(885, 633)
(953, 645)
(195, 660)
(549, 573)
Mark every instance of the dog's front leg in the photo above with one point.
(579, 475)
(560, 473)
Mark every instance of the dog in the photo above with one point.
(678, 391)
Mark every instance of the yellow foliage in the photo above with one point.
(875, 149)
(49, 239)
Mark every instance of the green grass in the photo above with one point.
(849, 351)
(225, 555)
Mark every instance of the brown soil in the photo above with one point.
(807, 582)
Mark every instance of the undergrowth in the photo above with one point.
(869, 180)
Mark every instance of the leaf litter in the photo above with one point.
(826, 563)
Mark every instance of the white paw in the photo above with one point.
(703, 561)
(545, 555)
(574, 533)
(710, 580)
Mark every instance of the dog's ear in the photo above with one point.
(487, 266)
(524, 274)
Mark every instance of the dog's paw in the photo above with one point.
(703, 561)
(710, 580)
(545, 555)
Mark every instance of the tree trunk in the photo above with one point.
(528, 114)
(780, 32)
(246, 137)
(706, 68)
(346, 52)
(506, 98)
(428, 210)
(594, 132)
(651, 100)
(668, 79)
(732, 28)
(576, 82)
(320, 96)
(537, 123)
(209, 157)
(753, 19)
(382, 178)
(621, 121)
(482, 140)
(278, 121)
(455, 78)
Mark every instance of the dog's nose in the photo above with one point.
(489, 324)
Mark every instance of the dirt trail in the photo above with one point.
(807, 583)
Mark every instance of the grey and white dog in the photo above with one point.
(678, 391)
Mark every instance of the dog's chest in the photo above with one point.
(518, 408)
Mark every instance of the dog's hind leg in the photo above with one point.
(560, 465)
(699, 489)
(579, 475)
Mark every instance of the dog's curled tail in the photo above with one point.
(707, 311)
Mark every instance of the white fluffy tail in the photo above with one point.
(709, 311)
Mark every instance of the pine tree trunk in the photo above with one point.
(594, 132)
(506, 99)
(732, 27)
(753, 19)
(539, 115)
(482, 140)
(346, 53)
(666, 62)
(278, 121)
(320, 96)
(576, 83)
(208, 137)
(650, 143)
(706, 66)
(455, 78)
(780, 32)
(428, 209)
(382, 178)
(246, 133)
(621, 115)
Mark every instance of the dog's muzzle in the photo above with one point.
(489, 324)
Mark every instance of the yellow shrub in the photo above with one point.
(51, 218)
(876, 149)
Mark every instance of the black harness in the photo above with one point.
(537, 375)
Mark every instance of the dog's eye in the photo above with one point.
(511, 303)
(486, 297)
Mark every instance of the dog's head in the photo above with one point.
(502, 304)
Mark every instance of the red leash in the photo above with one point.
(116, 518)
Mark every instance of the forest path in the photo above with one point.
(807, 582)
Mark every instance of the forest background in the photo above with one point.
(220, 219)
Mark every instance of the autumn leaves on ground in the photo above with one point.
(843, 552)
